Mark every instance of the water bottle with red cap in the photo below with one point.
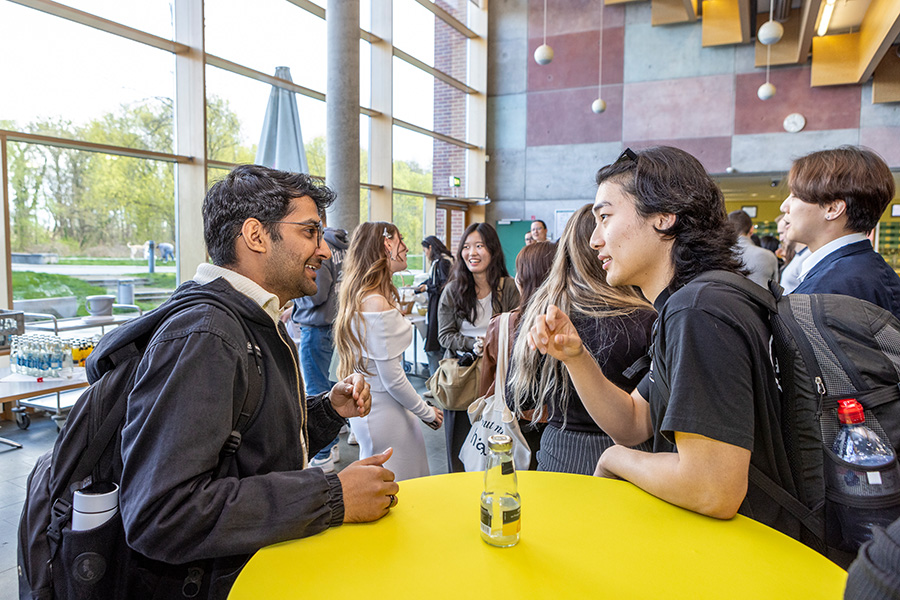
(862, 479)
(856, 443)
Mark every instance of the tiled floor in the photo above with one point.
(15, 465)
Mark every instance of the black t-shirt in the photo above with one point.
(711, 349)
(615, 343)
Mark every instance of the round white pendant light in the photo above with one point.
(544, 53)
(765, 91)
(770, 33)
(599, 105)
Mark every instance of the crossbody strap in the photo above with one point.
(502, 357)
(805, 515)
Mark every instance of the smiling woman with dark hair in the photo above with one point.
(532, 265)
(479, 288)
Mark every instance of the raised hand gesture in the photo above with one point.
(554, 334)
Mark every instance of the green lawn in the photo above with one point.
(110, 261)
(28, 285)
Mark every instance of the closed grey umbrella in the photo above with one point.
(281, 142)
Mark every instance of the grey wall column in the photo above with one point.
(342, 112)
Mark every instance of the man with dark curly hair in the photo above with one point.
(710, 403)
(264, 233)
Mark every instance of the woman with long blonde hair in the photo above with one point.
(615, 324)
(371, 336)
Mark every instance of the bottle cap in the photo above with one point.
(500, 442)
(850, 412)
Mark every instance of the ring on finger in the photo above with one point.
(393, 499)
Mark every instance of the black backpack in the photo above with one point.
(53, 561)
(828, 347)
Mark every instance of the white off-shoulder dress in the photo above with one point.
(396, 407)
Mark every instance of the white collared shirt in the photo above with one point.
(816, 257)
(267, 301)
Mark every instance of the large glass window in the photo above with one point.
(413, 154)
(97, 211)
(425, 164)
(365, 73)
(69, 80)
(364, 132)
(152, 16)
(273, 33)
(414, 30)
(458, 9)
(421, 34)
(236, 110)
(66, 80)
(413, 95)
(409, 217)
(423, 100)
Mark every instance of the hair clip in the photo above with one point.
(387, 234)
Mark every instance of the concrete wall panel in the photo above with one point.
(714, 153)
(661, 87)
(679, 108)
(565, 117)
(508, 209)
(825, 108)
(507, 20)
(506, 175)
(745, 59)
(507, 66)
(877, 115)
(546, 211)
(638, 13)
(767, 152)
(883, 140)
(507, 113)
(672, 52)
(554, 172)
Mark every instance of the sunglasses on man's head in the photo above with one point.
(627, 155)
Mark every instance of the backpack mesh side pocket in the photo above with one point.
(860, 498)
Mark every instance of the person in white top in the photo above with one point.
(793, 254)
(371, 336)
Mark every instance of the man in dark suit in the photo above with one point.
(837, 197)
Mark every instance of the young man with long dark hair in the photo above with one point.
(711, 393)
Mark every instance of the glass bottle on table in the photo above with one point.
(501, 507)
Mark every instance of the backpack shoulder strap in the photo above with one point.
(243, 410)
(805, 515)
(767, 298)
(637, 366)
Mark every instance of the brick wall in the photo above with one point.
(450, 57)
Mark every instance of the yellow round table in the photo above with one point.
(582, 537)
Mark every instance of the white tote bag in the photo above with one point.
(489, 415)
